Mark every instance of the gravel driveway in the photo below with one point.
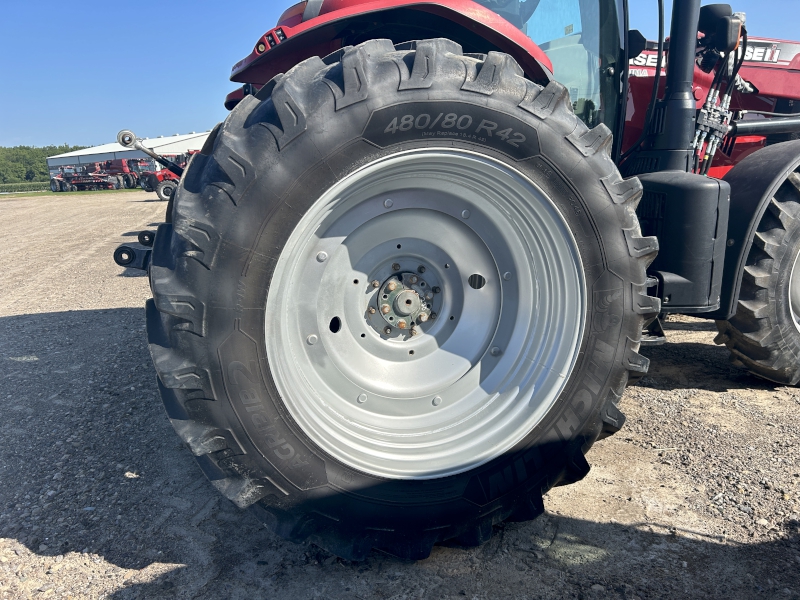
(696, 497)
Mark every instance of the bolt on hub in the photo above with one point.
(403, 302)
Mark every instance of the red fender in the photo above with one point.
(292, 40)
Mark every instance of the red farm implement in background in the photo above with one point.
(87, 177)
(104, 175)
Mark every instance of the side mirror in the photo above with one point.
(721, 29)
(636, 43)
(729, 31)
(710, 16)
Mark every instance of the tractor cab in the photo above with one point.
(582, 39)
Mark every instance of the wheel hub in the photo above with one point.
(403, 302)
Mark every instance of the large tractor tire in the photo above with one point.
(166, 189)
(764, 334)
(55, 186)
(66, 187)
(399, 298)
(145, 183)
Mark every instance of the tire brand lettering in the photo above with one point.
(497, 483)
(501, 482)
(569, 423)
(594, 377)
(458, 122)
(260, 420)
(245, 381)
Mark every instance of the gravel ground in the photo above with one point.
(697, 497)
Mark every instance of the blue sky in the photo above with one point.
(77, 73)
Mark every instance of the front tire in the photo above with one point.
(764, 334)
(166, 189)
(340, 173)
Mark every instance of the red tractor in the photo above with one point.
(164, 182)
(399, 293)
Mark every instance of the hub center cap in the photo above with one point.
(405, 301)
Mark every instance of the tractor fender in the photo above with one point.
(754, 181)
(463, 21)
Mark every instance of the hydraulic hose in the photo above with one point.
(656, 82)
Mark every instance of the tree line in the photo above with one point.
(29, 163)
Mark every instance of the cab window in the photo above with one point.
(582, 40)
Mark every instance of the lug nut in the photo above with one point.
(386, 309)
(392, 286)
(437, 290)
(428, 296)
(402, 325)
(414, 331)
(423, 317)
(414, 279)
(371, 310)
(420, 269)
(433, 316)
(376, 284)
(395, 267)
(387, 330)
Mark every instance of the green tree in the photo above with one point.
(29, 163)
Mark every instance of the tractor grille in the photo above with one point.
(659, 118)
(642, 164)
(651, 213)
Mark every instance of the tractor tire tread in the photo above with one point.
(186, 249)
(754, 334)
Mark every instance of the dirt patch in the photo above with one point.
(696, 497)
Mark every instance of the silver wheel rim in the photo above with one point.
(480, 374)
(794, 293)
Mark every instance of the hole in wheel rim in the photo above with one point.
(476, 281)
(335, 325)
